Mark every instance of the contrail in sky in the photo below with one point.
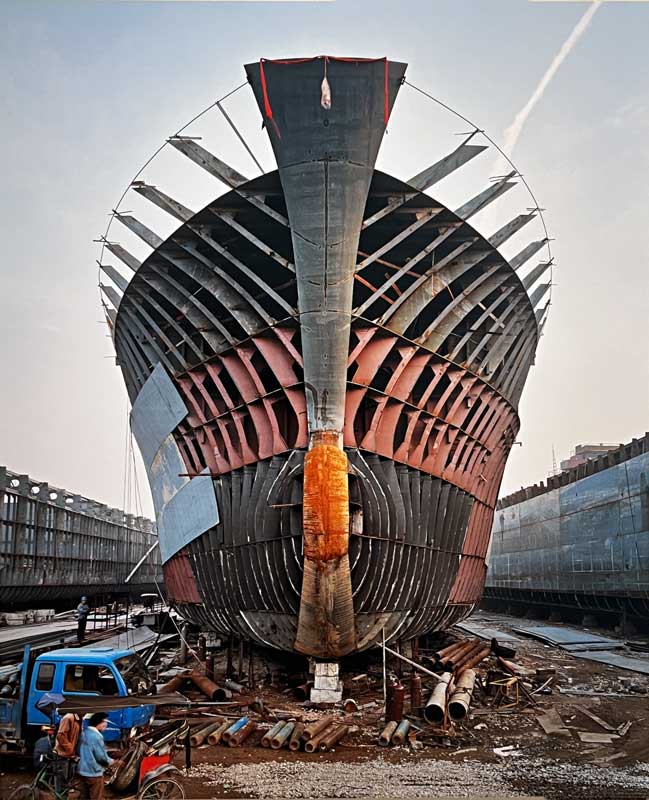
(513, 132)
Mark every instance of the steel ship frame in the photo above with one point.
(324, 366)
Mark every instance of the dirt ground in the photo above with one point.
(462, 761)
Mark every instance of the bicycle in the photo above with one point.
(152, 784)
(44, 784)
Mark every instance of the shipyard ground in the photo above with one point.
(466, 762)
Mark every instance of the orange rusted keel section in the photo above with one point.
(326, 616)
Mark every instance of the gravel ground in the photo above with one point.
(428, 778)
(362, 779)
(560, 779)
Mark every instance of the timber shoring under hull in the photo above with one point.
(325, 365)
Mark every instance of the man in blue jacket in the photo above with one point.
(93, 758)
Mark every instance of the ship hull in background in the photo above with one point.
(580, 543)
(324, 365)
(56, 546)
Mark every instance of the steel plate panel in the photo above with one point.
(157, 410)
(189, 513)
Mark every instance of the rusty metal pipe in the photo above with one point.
(174, 684)
(445, 652)
(474, 659)
(296, 736)
(461, 656)
(215, 736)
(238, 738)
(233, 686)
(455, 657)
(236, 726)
(508, 666)
(313, 744)
(412, 663)
(435, 708)
(206, 686)
(399, 736)
(267, 737)
(303, 691)
(201, 734)
(458, 705)
(461, 647)
(387, 733)
(280, 739)
(333, 737)
(314, 728)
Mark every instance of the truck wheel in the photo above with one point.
(162, 789)
(129, 768)
(25, 792)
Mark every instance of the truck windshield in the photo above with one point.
(135, 674)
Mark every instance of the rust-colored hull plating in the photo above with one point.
(347, 425)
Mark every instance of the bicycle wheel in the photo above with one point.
(162, 789)
(25, 792)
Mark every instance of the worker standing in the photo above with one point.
(93, 758)
(81, 615)
(66, 746)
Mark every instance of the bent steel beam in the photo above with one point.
(487, 196)
(429, 177)
(526, 253)
(124, 256)
(199, 155)
(163, 201)
(114, 296)
(508, 230)
(139, 229)
(538, 293)
(433, 174)
(116, 277)
(226, 174)
(424, 290)
(540, 269)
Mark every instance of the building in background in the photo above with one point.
(584, 452)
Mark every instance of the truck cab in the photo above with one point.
(78, 673)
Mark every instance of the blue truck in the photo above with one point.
(78, 674)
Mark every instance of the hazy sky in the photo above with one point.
(91, 89)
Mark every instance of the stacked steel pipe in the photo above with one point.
(451, 697)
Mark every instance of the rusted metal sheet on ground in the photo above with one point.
(354, 453)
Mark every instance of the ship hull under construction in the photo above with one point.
(325, 365)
